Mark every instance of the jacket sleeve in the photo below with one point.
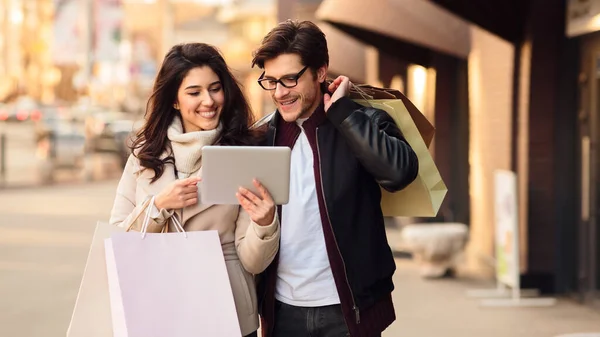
(256, 245)
(377, 142)
(125, 213)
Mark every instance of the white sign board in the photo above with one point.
(507, 228)
(68, 35)
(108, 23)
(508, 274)
(583, 16)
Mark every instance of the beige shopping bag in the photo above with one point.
(367, 92)
(91, 316)
(425, 195)
(169, 284)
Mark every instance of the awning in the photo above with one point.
(341, 45)
(417, 22)
(504, 18)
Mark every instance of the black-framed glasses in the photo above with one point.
(286, 81)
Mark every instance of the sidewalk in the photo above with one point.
(43, 252)
(432, 308)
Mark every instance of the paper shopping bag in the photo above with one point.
(169, 284)
(424, 196)
(91, 316)
(367, 92)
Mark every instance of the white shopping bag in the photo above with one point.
(169, 285)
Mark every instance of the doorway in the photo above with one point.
(589, 140)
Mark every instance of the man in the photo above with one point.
(333, 272)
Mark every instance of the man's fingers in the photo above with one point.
(346, 84)
(332, 86)
(343, 81)
(335, 83)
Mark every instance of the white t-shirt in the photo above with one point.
(304, 276)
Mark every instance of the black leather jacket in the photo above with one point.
(359, 149)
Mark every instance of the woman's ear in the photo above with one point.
(176, 106)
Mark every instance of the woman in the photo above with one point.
(197, 102)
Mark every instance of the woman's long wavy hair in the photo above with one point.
(236, 117)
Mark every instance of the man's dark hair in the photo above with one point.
(294, 37)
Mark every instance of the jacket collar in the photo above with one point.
(275, 122)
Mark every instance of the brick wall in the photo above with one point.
(490, 106)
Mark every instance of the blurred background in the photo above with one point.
(509, 85)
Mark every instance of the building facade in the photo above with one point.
(514, 87)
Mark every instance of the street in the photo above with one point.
(45, 235)
(44, 239)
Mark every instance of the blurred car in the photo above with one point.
(50, 117)
(83, 111)
(60, 142)
(110, 132)
(3, 112)
(23, 109)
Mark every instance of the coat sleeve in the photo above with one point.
(125, 212)
(256, 245)
(377, 142)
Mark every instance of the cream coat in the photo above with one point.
(248, 247)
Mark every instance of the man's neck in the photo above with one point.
(314, 107)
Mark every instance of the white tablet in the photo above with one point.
(226, 168)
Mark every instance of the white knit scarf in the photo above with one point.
(187, 147)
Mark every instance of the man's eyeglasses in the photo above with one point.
(287, 81)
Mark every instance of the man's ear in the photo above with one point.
(322, 74)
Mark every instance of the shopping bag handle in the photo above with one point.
(368, 92)
(362, 93)
(146, 222)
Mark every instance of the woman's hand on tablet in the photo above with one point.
(179, 194)
(260, 208)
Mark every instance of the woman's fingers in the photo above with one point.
(250, 196)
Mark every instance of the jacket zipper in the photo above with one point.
(354, 306)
